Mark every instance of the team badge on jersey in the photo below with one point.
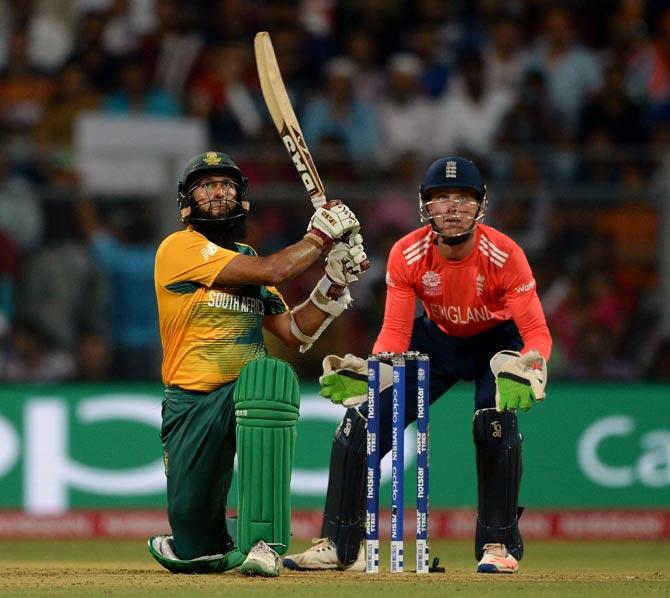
(479, 282)
(432, 283)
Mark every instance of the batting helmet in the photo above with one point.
(210, 163)
(452, 172)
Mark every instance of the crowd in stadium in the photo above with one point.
(564, 105)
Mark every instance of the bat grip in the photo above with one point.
(318, 201)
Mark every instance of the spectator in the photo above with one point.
(24, 91)
(567, 319)
(32, 356)
(531, 124)
(125, 253)
(526, 213)
(369, 80)
(470, 114)
(221, 94)
(61, 288)
(135, 94)
(406, 116)
(89, 51)
(376, 17)
(504, 55)
(595, 359)
(9, 274)
(50, 36)
(531, 120)
(55, 131)
(226, 21)
(649, 67)
(339, 118)
(435, 73)
(172, 49)
(611, 109)
(119, 37)
(573, 72)
(21, 217)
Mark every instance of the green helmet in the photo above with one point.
(202, 165)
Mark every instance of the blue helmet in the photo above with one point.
(453, 172)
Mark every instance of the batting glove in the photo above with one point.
(347, 261)
(520, 379)
(332, 222)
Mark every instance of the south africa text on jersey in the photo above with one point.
(236, 303)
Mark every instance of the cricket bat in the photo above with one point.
(284, 118)
(286, 122)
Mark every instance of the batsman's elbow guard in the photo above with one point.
(520, 379)
(332, 306)
(299, 334)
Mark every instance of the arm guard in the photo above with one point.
(333, 307)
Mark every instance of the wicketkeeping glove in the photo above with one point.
(520, 379)
(345, 379)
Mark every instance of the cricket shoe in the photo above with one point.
(497, 559)
(322, 556)
(261, 560)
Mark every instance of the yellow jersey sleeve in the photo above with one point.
(209, 331)
(187, 256)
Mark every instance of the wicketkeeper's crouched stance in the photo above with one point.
(483, 322)
(224, 394)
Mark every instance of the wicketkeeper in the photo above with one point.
(482, 322)
(223, 393)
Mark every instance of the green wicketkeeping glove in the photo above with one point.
(345, 387)
(345, 379)
(520, 379)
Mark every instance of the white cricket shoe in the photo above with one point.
(261, 560)
(497, 559)
(321, 556)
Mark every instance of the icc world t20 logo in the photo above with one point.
(432, 283)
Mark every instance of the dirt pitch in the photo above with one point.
(124, 568)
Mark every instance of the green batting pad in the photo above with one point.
(268, 379)
(267, 402)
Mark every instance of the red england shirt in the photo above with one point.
(462, 297)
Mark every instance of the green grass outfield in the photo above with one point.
(551, 568)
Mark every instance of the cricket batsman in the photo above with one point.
(482, 322)
(224, 395)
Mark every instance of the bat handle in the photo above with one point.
(318, 201)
